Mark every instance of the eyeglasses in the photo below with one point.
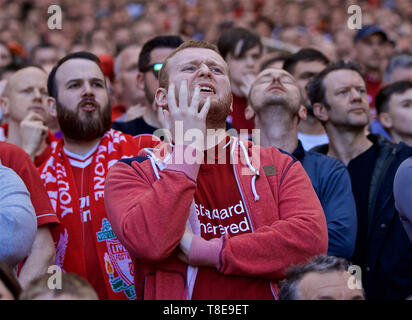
(154, 68)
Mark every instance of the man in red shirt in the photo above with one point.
(42, 254)
(75, 172)
(217, 217)
(24, 103)
(242, 50)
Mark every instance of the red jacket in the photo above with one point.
(148, 209)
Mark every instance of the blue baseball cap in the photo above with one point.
(368, 30)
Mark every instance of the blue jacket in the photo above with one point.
(387, 273)
(332, 184)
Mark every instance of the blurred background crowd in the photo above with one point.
(106, 26)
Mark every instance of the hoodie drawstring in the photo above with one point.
(256, 172)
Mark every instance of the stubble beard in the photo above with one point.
(218, 112)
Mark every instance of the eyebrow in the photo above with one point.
(81, 79)
(208, 62)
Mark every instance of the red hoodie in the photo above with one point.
(149, 208)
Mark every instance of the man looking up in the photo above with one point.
(303, 66)
(242, 50)
(224, 226)
(75, 172)
(275, 102)
(383, 250)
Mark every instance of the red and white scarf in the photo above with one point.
(56, 174)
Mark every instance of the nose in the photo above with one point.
(204, 71)
(37, 94)
(276, 79)
(355, 95)
(87, 90)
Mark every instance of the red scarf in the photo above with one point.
(56, 174)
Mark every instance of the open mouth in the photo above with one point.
(88, 106)
(207, 89)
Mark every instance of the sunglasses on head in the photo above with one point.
(155, 69)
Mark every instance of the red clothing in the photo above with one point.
(221, 213)
(117, 111)
(237, 117)
(85, 242)
(149, 210)
(51, 142)
(16, 158)
(372, 87)
(81, 171)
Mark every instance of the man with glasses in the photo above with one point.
(151, 58)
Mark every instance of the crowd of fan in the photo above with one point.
(310, 40)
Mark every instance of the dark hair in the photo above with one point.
(265, 20)
(229, 39)
(12, 67)
(316, 89)
(9, 280)
(42, 45)
(268, 62)
(305, 54)
(51, 83)
(403, 60)
(384, 95)
(157, 42)
(319, 264)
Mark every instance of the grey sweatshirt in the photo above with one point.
(18, 224)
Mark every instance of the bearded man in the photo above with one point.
(217, 217)
(75, 172)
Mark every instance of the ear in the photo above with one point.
(4, 105)
(140, 80)
(386, 120)
(117, 87)
(249, 113)
(320, 112)
(303, 112)
(161, 98)
(51, 105)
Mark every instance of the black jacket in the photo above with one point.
(387, 273)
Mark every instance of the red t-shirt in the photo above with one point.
(38, 160)
(237, 117)
(16, 158)
(117, 111)
(81, 166)
(372, 87)
(221, 210)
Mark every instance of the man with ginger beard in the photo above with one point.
(213, 217)
(75, 172)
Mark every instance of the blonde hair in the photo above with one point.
(72, 285)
